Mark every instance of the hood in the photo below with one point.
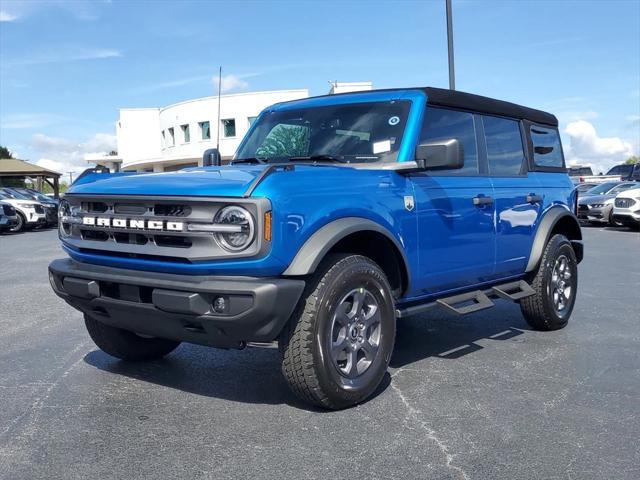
(19, 201)
(591, 199)
(225, 181)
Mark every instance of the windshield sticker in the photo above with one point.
(394, 120)
(382, 147)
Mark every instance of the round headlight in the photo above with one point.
(64, 212)
(238, 238)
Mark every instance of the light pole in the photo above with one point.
(452, 75)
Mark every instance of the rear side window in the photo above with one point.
(546, 147)
(443, 124)
(505, 153)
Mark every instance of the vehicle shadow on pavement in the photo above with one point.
(448, 336)
(246, 376)
(253, 375)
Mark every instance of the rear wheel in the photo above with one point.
(127, 345)
(337, 346)
(555, 284)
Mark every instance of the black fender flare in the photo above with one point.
(543, 233)
(318, 245)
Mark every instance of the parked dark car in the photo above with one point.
(626, 171)
(8, 217)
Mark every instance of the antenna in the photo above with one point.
(219, 91)
(452, 75)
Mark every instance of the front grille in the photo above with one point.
(583, 208)
(39, 209)
(624, 202)
(9, 210)
(126, 231)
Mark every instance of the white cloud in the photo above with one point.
(66, 155)
(7, 17)
(587, 148)
(63, 55)
(231, 82)
(29, 120)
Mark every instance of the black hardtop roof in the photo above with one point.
(468, 101)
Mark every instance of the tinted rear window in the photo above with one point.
(547, 151)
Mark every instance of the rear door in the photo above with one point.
(518, 196)
(456, 234)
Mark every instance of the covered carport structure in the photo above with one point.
(12, 168)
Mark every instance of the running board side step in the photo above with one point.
(513, 291)
(474, 301)
(466, 302)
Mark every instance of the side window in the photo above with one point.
(546, 147)
(505, 153)
(443, 124)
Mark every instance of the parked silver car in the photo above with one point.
(596, 205)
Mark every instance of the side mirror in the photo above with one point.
(211, 157)
(440, 155)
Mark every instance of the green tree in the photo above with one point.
(632, 160)
(5, 153)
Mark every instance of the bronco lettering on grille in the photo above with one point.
(134, 223)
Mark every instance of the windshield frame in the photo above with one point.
(406, 150)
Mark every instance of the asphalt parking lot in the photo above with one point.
(478, 397)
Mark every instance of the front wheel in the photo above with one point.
(127, 345)
(18, 227)
(337, 346)
(555, 284)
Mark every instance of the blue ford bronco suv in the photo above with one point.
(338, 215)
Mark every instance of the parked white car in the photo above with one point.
(626, 208)
(30, 214)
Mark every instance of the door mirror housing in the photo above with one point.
(440, 155)
(211, 157)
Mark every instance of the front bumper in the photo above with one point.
(179, 307)
(627, 217)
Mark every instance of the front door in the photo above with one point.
(455, 211)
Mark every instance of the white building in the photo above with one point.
(176, 136)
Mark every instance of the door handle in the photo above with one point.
(482, 201)
(533, 198)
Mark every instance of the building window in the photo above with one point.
(205, 131)
(172, 137)
(229, 127)
(163, 139)
(251, 120)
(186, 135)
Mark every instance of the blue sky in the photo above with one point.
(67, 66)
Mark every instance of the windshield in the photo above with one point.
(360, 132)
(13, 194)
(602, 189)
(34, 195)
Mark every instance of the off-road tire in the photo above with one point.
(304, 343)
(538, 309)
(127, 345)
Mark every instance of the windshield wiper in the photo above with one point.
(248, 160)
(318, 158)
